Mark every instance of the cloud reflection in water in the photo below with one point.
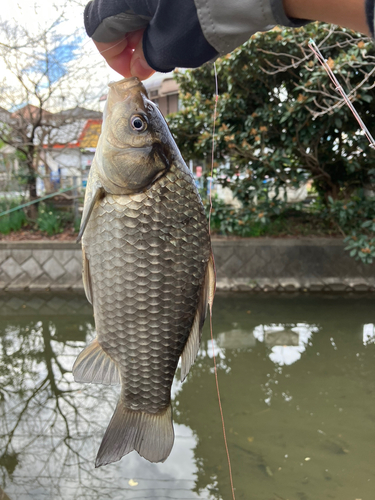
(287, 343)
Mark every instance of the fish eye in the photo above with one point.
(138, 123)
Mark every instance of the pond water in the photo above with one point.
(297, 380)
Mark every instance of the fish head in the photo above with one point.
(136, 146)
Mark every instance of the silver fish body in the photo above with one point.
(148, 271)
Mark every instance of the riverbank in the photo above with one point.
(243, 264)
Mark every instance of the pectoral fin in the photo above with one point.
(94, 366)
(95, 195)
(86, 277)
(207, 297)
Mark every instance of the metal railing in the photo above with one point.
(38, 200)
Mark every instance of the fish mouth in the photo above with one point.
(120, 151)
(123, 86)
(128, 146)
(125, 82)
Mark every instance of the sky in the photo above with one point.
(37, 15)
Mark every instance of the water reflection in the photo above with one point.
(368, 334)
(236, 339)
(287, 343)
(297, 378)
(51, 427)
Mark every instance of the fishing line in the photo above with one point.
(211, 331)
(314, 48)
(112, 46)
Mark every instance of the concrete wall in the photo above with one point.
(259, 264)
(40, 265)
(306, 264)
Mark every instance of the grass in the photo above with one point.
(13, 221)
(50, 220)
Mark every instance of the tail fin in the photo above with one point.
(150, 434)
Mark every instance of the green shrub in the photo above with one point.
(356, 219)
(13, 221)
(49, 220)
(229, 221)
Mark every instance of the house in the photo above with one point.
(5, 116)
(30, 114)
(9, 163)
(64, 144)
(70, 146)
(163, 90)
(9, 166)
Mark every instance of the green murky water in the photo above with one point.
(297, 378)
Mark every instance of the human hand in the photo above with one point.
(139, 36)
(126, 56)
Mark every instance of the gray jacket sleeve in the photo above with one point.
(184, 33)
(226, 24)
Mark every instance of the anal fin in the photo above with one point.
(93, 365)
(207, 296)
(86, 276)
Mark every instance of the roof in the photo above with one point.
(90, 134)
(78, 134)
(80, 113)
(29, 112)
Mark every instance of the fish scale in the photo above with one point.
(171, 257)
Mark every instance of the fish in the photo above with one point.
(148, 271)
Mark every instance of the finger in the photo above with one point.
(109, 50)
(138, 64)
(134, 38)
(121, 62)
(118, 56)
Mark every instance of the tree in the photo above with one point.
(46, 73)
(271, 91)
